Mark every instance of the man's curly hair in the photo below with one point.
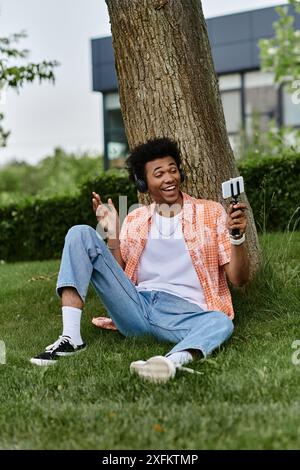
(152, 149)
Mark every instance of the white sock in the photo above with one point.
(180, 358)
(71, 324)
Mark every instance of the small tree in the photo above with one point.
(281, 54)
(13, 75)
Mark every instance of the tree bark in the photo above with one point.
(168, 87)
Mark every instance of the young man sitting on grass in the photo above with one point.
(164, 274)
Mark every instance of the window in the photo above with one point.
(231, 94)
(261, 100)
(235, 143)
(112, 101)
(114, 132)
(291, 107)
(230, 82)
(232, 110)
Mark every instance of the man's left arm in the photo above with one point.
(237, 270)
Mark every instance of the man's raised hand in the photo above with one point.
(107, 216)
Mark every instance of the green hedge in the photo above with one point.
(273, 189)
(36, 229)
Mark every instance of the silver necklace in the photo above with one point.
(168, 235)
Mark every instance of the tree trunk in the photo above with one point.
(168, 87)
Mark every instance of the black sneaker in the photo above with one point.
(62, 347)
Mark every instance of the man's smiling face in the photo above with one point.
(163, 180)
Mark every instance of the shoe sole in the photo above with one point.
(42, 362)
(48, 362)
(64, 354)
(157, 369)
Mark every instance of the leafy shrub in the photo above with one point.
(35, 229)
(59, 174)
(273, 189)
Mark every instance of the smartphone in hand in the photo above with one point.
(233, 188)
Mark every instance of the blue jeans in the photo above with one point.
(165, 316)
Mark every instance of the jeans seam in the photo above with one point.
(116, 277)
(169, 328)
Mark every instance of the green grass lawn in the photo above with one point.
(247, 397)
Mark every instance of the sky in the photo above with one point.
(68, 114)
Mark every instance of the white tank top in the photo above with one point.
(166, 264)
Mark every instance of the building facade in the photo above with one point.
(247, 93)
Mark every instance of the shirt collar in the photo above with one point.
(187, 209)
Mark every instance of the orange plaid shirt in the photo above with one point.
(206, 237)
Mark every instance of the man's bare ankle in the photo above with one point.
(71, 298)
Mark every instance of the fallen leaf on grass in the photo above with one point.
(42, 278)
(158, 428)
